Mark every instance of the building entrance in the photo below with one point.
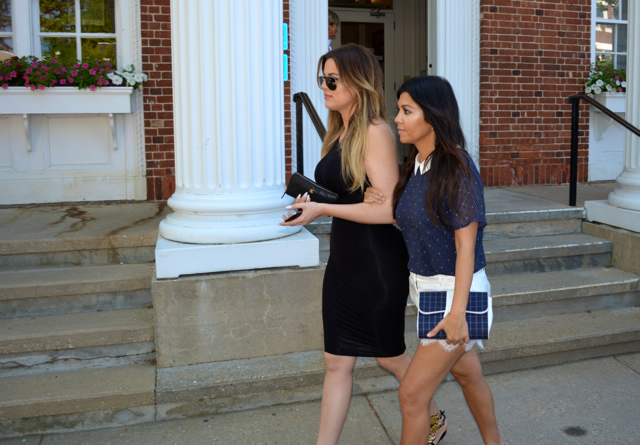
(398, 39)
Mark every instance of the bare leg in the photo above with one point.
(336, 395)
(398, 366)
(429, 367)
(468, 374)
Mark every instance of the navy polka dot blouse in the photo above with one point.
(432, 249)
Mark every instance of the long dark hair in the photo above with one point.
(438, 102)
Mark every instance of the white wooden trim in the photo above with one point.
(65, 100)
(456, 58)
(308, 42)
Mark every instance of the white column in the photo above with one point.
(623, 207)
(308, 37)
(454, 53)
(627, 195)
(229, 141)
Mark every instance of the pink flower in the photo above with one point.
(70, 79)
(85, 66)
(57, 72)
(5, 86)
(53, 82)
(92, 87)
(38, 73)
(617, 78)
(74, 73)
(595, 68)
(41, 87)
(45, 67)
(54, 61)
(105, 82)
(33, 87)
(620, 89)
(63, 69)
(63, 82)
(77, 65)
(35, 65)
(100, 82)
(14, 74)
(102, 70)
(29, 70)
(107, 64)
(7, 64)
(92, 71)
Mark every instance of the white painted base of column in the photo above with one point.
(605, 213)
(174, 259)
(627, 195)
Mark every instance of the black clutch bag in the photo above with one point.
(299, 185)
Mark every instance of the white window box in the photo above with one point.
(65, 100)
(616, 102)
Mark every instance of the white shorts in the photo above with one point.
(438, 283)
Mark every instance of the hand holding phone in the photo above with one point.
(294, 216)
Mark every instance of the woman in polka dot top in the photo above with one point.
(439, 205)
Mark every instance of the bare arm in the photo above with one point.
(455, 323)
(381, 166)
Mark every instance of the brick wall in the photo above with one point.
(158, 98)
(533, 56)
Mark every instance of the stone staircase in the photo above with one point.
(76, 333)
(77, 339)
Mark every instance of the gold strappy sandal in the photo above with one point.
(438, 422)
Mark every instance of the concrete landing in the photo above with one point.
(561, 405)
(81, 226)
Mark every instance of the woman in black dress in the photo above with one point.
(366, 280)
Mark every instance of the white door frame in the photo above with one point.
(393, 66)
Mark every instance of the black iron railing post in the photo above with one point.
(575, 122)
(573, 172)
(299, 135)
(301, 99)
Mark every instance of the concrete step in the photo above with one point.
(507, 256)
(28, 363)
(527, 296)
(72, 331)
(501, 223)
(546, 253)
(28, 402)
(59, 235)
(243, 384)
(36, 292)
(80, 257)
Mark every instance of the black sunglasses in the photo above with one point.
(331, 82)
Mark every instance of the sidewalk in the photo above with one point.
(592, 401)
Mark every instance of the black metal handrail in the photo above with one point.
(302, 99)
(575, 115)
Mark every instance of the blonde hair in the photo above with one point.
(360, 72)
(333, 18)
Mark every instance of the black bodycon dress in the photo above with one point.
(366, 282)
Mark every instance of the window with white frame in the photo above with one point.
(74, 29)
(65, 29)
(611, 31)
(6, 26)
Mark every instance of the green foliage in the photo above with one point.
(57, 16)
(605, 78)
(90, 73)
